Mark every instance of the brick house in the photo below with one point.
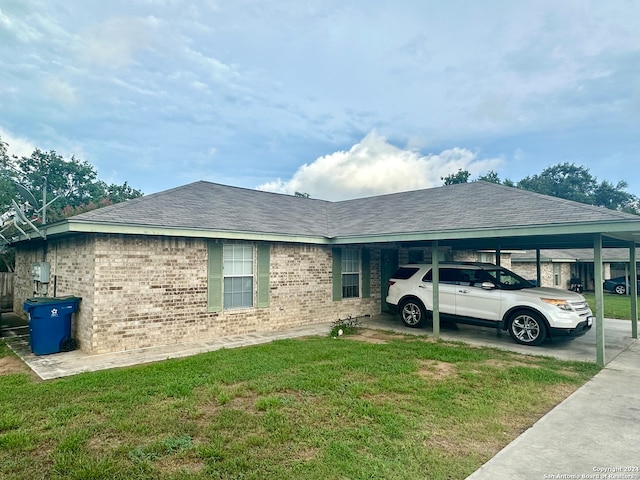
(206, 260)
(558, 266)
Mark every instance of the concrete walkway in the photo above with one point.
(65, 364)
(595, 429)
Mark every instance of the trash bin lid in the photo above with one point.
(41, 301)
(45, 300)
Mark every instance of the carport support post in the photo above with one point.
(538, 268)
(634, 290)
(435, 278)
(597, 266)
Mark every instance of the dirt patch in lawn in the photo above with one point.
(373, 336)
(434, 369)
(10, 365)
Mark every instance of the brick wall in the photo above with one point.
(145, 291)
(72, 273)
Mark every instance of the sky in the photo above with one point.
(335, 98)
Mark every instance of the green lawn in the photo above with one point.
(615, 306)
(372, 405)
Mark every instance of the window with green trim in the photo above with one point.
(350, 273)
(238, 275)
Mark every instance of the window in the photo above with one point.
(557, 276)
(447, 275)
(404, 273)
(234, 274)
(350, 273)
(485, 257)
(238, 276)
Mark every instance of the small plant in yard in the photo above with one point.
(345, 326)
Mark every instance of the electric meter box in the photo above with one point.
(40, 272)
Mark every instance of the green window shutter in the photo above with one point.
(337, 274)
(264, 287)
(366, 273)
(214, 277)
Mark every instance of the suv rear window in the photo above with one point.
(403, 273)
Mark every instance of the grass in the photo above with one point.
(615, 306)
(371, 405)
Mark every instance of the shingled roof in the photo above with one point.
(475, 205)
(444, 212)
(211, 206)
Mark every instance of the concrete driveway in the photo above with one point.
(617, 336)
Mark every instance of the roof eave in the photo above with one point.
(621, 230)
(75, 226)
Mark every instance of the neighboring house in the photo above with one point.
(558, 266)
(205, 260)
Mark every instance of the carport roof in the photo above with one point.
(478, 214)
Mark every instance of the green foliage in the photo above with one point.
(573, 182)
(565, 180)
(490, 176)
(345, 326)
(461, 176)
(74, 181)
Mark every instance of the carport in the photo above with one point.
(555, 239)
(483, 216)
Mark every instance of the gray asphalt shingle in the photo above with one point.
(475, 205)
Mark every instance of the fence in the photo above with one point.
(6, 290)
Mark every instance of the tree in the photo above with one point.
(461, 176)
(573, 182)
(7, 188)
(564, 180)
(614, 197)
(491, 177)
(73, 181)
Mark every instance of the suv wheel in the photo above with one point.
(620, 289)
(413, 313)
(527, 328)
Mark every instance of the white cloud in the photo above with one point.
(18, 146)
(374, 166)
(61, 91)
(114, 42)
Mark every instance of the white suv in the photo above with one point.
(491, 296)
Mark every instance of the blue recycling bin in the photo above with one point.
(50, 323)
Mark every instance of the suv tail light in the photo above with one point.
(391, 282)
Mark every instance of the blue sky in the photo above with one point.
(335, 98)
